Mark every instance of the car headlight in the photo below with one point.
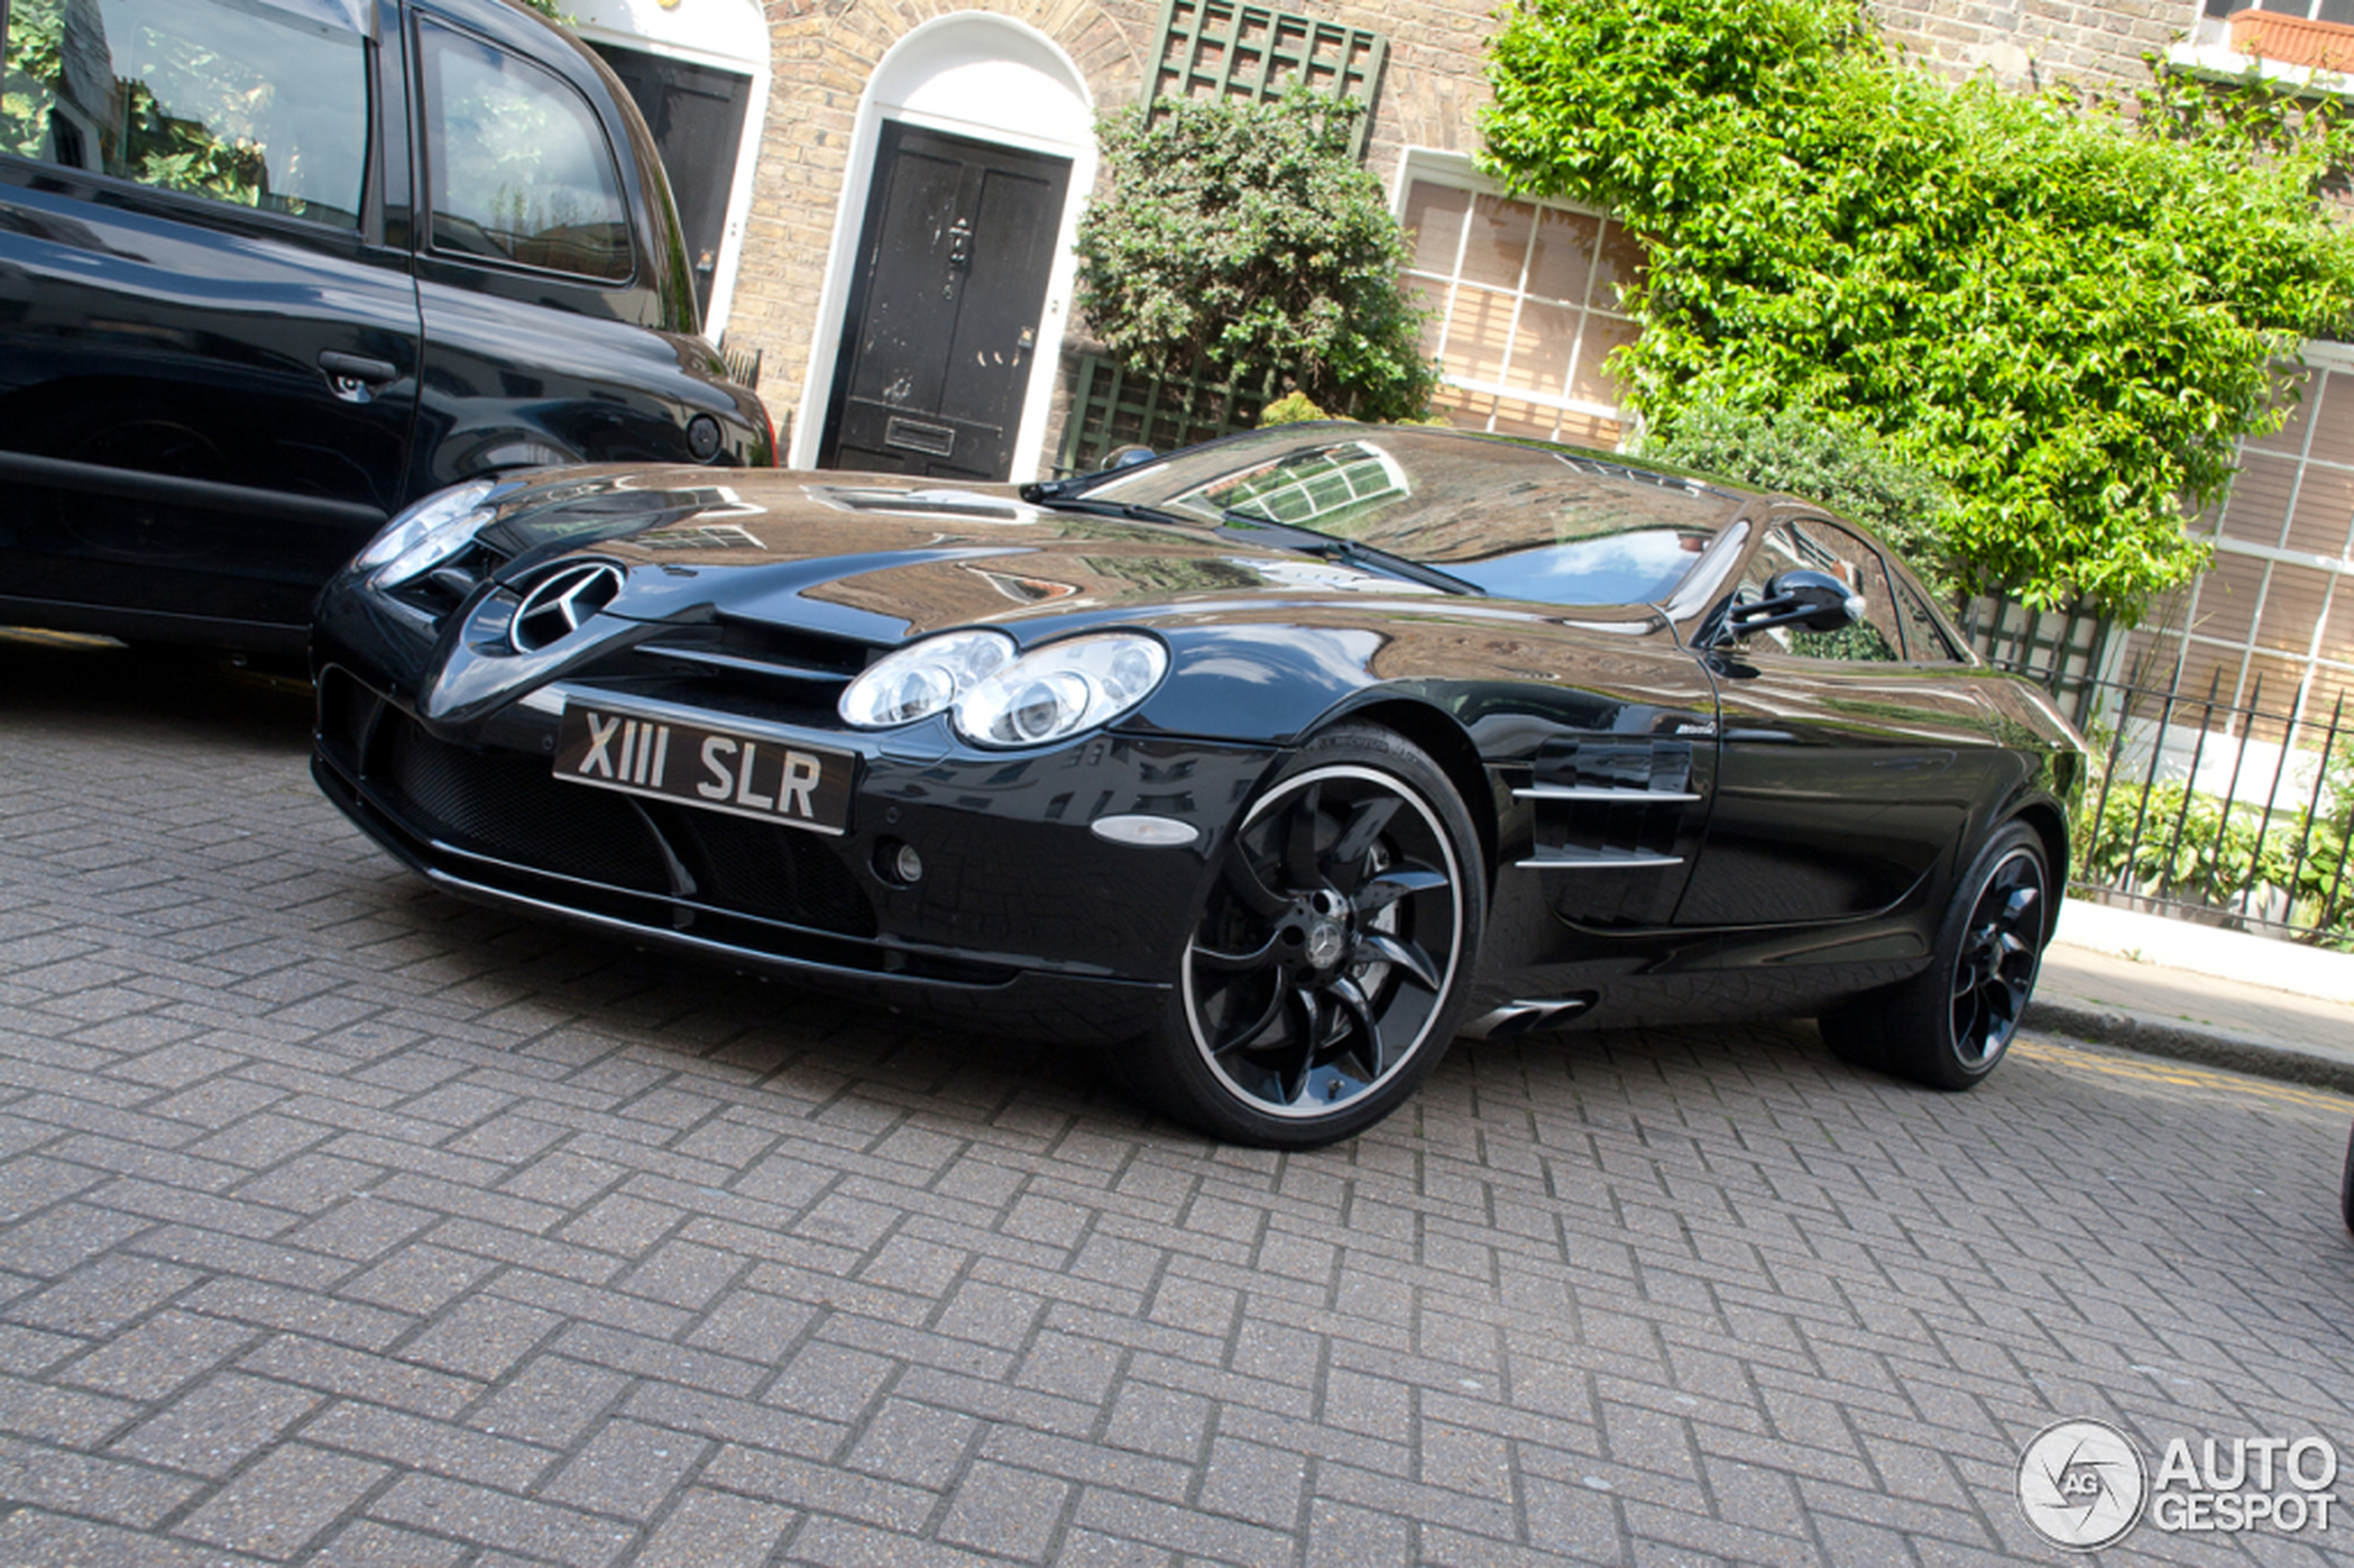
(1060, 689)
(923, 678)
(428, 533)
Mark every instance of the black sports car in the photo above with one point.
(1276, 763)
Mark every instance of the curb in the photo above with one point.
(2189, 1042)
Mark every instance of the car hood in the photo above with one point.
(834, 559)
(886, 561)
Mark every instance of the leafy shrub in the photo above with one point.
(1292, 407)
(1237, 235)
(1849, 470)
(2065, 313)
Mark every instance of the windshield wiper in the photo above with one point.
(1087, 506)
(1348, 552)
(1244, 526)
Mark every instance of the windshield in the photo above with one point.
(1515, 521)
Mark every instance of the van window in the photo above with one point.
(519, 166)
(244, 103)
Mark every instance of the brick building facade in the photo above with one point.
(2036, 43)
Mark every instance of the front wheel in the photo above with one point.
(1950, 1025)
(1331, 960)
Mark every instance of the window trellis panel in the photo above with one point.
(1217, 48)
(1110, 409)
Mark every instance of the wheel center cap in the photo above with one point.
(1326, 942)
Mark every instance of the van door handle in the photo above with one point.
(357, 367)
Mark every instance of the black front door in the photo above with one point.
(1846, 775)
(697, 116)
(943, 326)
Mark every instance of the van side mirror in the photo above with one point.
(1815, 601)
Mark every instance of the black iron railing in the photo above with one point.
(2202, 807)
(2234, 814)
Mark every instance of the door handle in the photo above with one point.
(353, 378)
(960, 255)
(357, 367)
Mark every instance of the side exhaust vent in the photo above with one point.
(1519, 1018)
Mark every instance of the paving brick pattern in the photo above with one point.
(342, 1224)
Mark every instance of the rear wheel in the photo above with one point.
(1330, 963)
(1949, 1026)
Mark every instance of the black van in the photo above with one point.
(271, 270)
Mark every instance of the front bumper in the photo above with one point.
(1023, 916)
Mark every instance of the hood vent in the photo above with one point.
(754, 648)
(970, 506)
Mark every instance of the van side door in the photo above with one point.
(208, 354)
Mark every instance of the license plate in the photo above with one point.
(698, 765)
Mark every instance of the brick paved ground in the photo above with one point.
(345, 1224)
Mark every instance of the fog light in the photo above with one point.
(897, 861)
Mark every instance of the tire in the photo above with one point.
(2346, 1186)
(1332, 957)
(1949, 1026)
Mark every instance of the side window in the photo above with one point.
(244, 104)
(520, 170)
(1926, 640)
(1824, 546)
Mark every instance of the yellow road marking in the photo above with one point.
(56, 638)
(2181, 1075)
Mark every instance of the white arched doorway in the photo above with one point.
(971, 158)
(701, 76)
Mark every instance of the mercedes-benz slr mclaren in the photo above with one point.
(1274, 765)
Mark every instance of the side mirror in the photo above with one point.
(1815, 601)
(1126, 457)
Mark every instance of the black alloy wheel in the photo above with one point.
(1333, 953)
(1950, 1026)
(2001, 948)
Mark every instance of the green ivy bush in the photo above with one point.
(2066, 313)
(1242, 236)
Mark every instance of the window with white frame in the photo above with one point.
(2305, 44)
(2310, 10)
(2275, 610)
(1525, 304)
